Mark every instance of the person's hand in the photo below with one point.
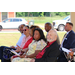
(22, 56)
(32, 60)
(71, 50)
(12, 47)
(18, 49)
(71, 53)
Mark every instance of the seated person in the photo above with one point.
(51, 52)
(25, 47)
(32, 29)
(38, 43)
(26, 40)
(68, 42)
(49, 26)
(12, 47)
(22, 35)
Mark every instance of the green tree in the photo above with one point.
(42, 14)
(19, 14)
(62, 14)
(52, 14)
(67, 13)
(23, 14)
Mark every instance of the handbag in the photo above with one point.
(7, 53)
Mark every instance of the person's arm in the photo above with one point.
(12, 46)
(70, 42)
(25, 50)
(33, 55)
(71, 53)
(40, 45)
(24, 54)
(51, 56)
(18, 49)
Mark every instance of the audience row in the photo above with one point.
(33, 46)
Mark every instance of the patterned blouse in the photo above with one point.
(35, 45)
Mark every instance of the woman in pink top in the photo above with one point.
(25, 39)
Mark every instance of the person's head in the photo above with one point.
(32, 29)
(68, 26)
(21, 28)
(51, 36)
(38, 34)
(26, 30)
(48, 26)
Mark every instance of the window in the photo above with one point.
(15, 20)
(10, 20)
(7, 20)
(20, 19)
(68, 19)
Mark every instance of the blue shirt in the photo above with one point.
(20, 40)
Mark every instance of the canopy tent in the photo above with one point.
(73, 20)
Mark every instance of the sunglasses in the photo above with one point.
(25, 29)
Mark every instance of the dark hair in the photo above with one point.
(33, 27)
(27, 26)
(23, 24)
(70, 23)
(41, 34)
(49, 23)
(20, 25)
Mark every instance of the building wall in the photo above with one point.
(0, 17)
(4, 15)
(11, 14)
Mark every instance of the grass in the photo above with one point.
(9, 39)
(61, 34)
(43, 20)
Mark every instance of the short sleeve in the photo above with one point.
(40, 45)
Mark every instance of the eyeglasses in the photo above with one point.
(25, 29)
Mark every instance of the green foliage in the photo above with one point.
(62, 14)
(52, 14)
(19, 14)
(41, 14)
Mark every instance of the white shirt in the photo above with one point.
(64, 39)
(20, 40)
